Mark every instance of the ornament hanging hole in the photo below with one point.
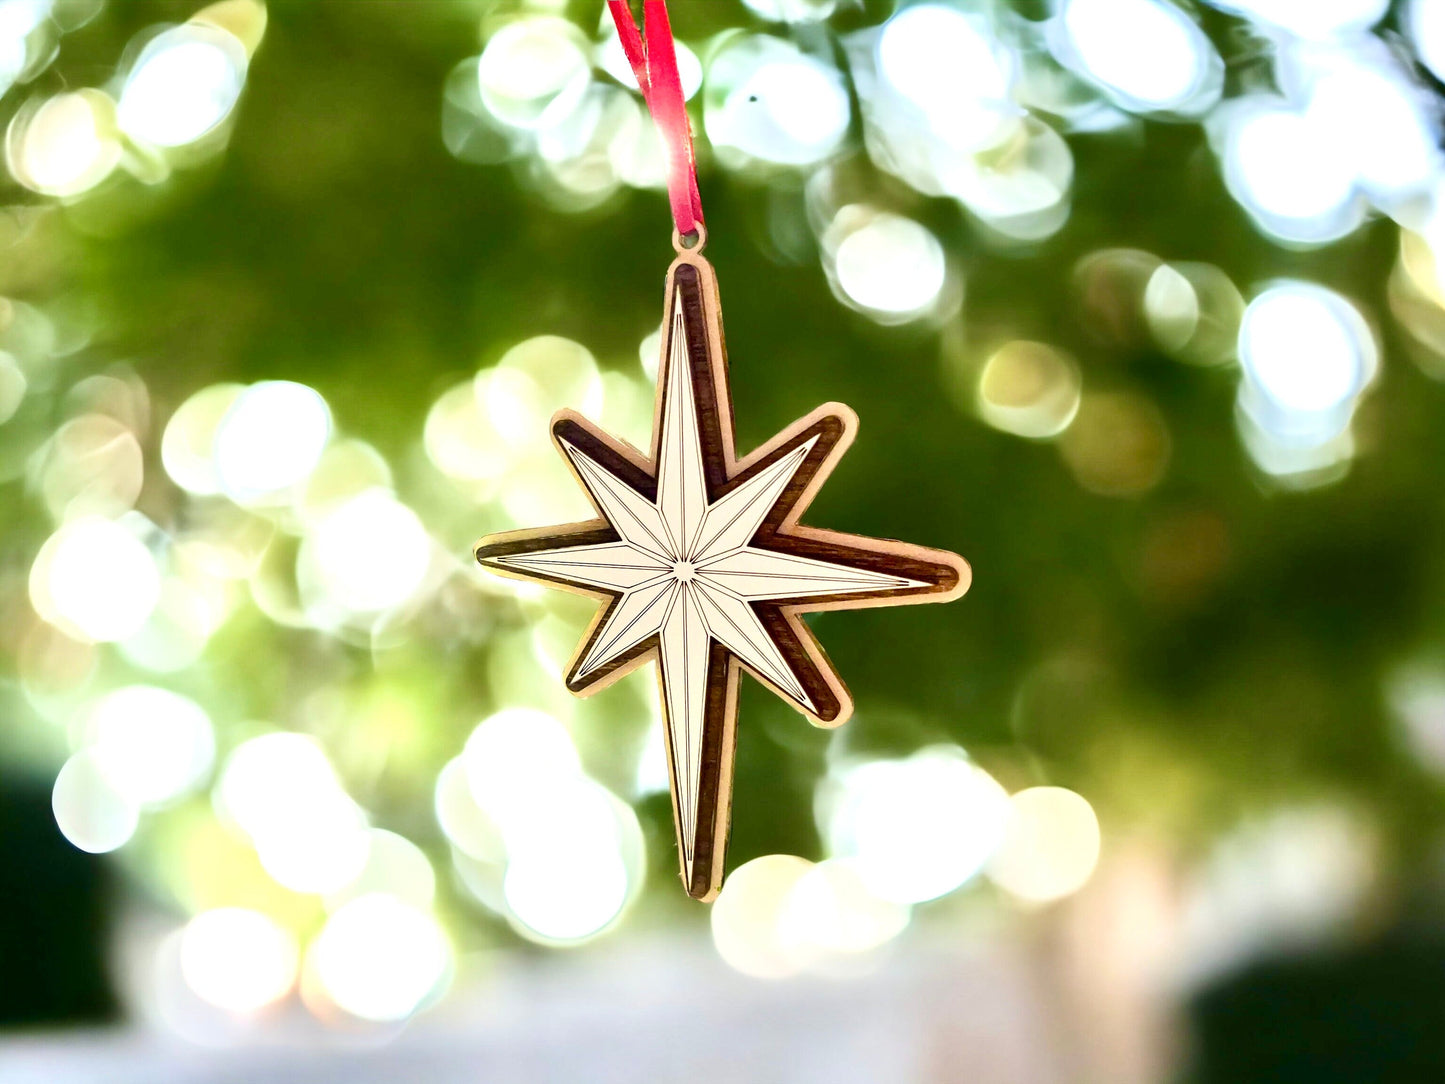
(692, 241)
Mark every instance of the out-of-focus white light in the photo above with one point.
(95, 579)
(1149, 54)
(64, 146)
(577, 153)
(1417, 697)
(1316, 19)
(890, 266)
(93, 464)
(566, 876)
(572, 851)
(12, 56)
(747, 917)
(1050, 846)
(368, 555)
(270, 439)
(237, 959)
(1292, 881)
(916, 828)
(347, 470)
(534, 71)
(460, 441)
(12, 386)
(649, 353)
(90, 812)
(1425, 22)
(1021, 194)
(652, 775)
(628, 412)
(1029, 389)
(462, 821)
(282, 792)
(780, 106)
(612, 60)
(501, 439)
(1307, 353)
(1377, 117)
(634, 149)
(791, 11)
(17, 19)
(395, 866)
(1300, 456)
(952, 71)
(831, 912)
(152, 744)
(191, 608)
(264, 777)
(557, 370)
(1290, 173)
(515, 759)
(184, 83)
(188, 444)
(379, 958)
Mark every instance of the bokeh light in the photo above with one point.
(89, 810)
(1290, 173)
(1118, 444)
(1370, 108)
(792, 11)
(95, 579)
(12, 386)
(768, 101)
(513, 757)
(282, 792)
(1164, 63)
(188, 443)
(533, 71)
(884, 264)
(1425, 21)
(379, 959)
(93, 465)
(746, 917)
(394, 866)
(1050, 845)
(367, 555)
(1307, 354)
(270, 439)
(152, 745)
(19, 19)
(1319, 19)
(1029, 389)
(566, 877)
(945, 64)
(830, 912)
(915, 828)
(238, 959)
(184, 83)
(567, 853)
(65, 145)
(612, 60)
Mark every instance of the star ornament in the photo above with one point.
(702, 565)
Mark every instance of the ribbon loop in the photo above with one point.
(654, 63)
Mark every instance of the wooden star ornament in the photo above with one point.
(703, 567)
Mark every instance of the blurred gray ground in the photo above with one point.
(663, 1011)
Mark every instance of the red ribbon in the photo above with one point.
(654, 63)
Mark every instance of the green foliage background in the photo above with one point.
(337, 243)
